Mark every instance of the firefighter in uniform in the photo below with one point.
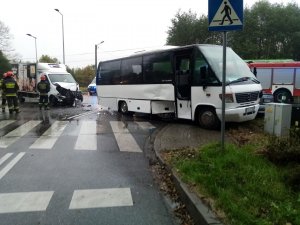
(43, 87)
(3, 93)
(10, 87)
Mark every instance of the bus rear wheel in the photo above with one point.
(282, 95)
(207, 118)
(123, 107)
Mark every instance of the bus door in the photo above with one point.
(183, 84)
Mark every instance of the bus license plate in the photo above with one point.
(250, 110)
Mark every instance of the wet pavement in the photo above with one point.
(180, 135)
(69, 165)
(108, 164)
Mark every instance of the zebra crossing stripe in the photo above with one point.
(4, 123)
(14, 135)
(124, 139)
(87, 138)
(50, 136)
(11, 164)
(25, 201)
(99, 198)
(146, 125)
(5, 157)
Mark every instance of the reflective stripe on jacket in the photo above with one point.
(43, 87)
(10, 87)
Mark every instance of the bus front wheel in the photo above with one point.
(123, 107)
(282, 95)
(207, 118)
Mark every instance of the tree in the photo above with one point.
(183, 30)
(187, 29)
(48, 59)
(4, 64)
(4, 38)
(271, 31)
(83, 75)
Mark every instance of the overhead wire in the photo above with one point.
(92, 53)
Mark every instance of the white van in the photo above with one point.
(63, 87)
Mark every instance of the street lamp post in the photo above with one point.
(96, 61)
(63, 35)
(35, 45)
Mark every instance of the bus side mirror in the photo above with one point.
(203, 72)
(203, 75)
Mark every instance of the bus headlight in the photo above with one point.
(228, 98)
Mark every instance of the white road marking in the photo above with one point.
(4, 123)
(82, 114)
(99, 198)
(145, 125)
(5, 157)
(50, 136)
(25, 201)
(118, 127)
(125, 140)
(14, 135)
(87, 138)
(11, 164)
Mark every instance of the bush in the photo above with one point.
(284, 150)
(292, 177)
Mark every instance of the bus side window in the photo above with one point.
(131, 71)
(157, 68)
(200, 71)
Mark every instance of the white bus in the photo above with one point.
(185, 81)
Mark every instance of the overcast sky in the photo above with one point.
(121, 24)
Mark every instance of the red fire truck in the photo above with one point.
(281, 79)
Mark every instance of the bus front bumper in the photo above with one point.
(239, 114)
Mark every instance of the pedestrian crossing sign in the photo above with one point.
(225, 15)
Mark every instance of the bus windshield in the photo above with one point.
(236, 68)
(67, 78)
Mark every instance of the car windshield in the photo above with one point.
(236, 68)
(66, 78)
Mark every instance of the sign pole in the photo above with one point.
(223, 90)
(225, 15)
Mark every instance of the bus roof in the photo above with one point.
(274, 64)
(166, 48)
(158, 50)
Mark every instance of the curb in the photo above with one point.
(200, 213)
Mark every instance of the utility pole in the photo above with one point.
(96, 53)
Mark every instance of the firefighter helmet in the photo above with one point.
(9, 74)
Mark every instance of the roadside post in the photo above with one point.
(223, 16)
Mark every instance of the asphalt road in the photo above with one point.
(77, 165)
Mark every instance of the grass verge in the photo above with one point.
(247, 187)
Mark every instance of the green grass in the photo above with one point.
(244, 185)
